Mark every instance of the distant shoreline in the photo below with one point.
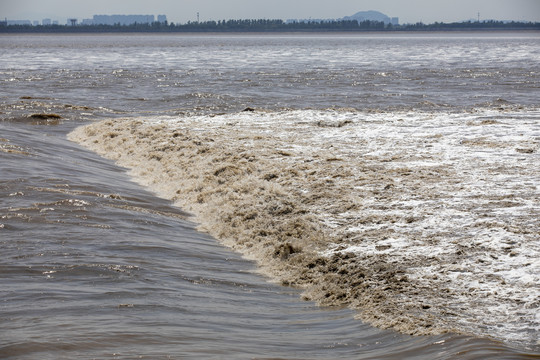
(284, 33)
(275, 26)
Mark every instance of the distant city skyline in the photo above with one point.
(182, 11)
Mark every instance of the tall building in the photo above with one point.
(46, 22)
(162, 18)
(19, 22)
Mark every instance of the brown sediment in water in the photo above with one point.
(7, 147)
(37, 119)
(284, 204)
(45, 116)
(45, 119)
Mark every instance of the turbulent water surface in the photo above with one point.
(380, 193)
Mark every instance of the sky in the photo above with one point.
(182, 11)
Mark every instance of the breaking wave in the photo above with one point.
(424, 222)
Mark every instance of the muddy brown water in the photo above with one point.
(96, 265)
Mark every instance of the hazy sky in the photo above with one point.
(408, 11)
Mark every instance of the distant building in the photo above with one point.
(19, 22)
(87, 22)
(162, 18)
(123, 19)
(36, 23)
(46, 22)
(55, 22)
(395, 21)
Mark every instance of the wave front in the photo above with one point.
(424, 222)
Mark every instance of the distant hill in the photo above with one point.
(371, 16)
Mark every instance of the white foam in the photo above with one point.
(453, 198)
(488, 191)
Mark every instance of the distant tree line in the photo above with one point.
(266, 25)
(473, 25)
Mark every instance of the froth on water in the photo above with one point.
(93, 266)
(425, 223)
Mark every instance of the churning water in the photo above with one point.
(392, 180)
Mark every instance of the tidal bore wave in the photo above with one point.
(423, 222)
